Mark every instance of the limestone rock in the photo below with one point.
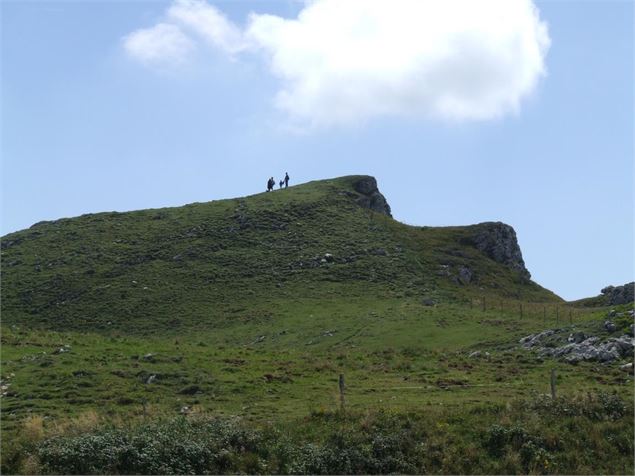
(370, 196)
(498, 241)
(465, 275)
(619, 294)
(578, 347)
(609, 326)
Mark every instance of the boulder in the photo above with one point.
(608, 355)
(535, 339)
(576, 337)
(624, 345)
(465, 275)
(190, 390)
(609, 326)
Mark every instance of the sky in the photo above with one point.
(507, 111)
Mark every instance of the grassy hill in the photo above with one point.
(253, 307)
(210, 264)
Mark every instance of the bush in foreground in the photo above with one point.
(586, 435)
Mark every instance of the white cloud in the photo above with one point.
(164, 43)
(343, 62)
(208, 22)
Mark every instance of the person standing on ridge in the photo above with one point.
(286, 179)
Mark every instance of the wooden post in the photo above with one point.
(341, 384)
(553, 384)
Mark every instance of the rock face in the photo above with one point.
(370, 197)
(619, 294)
(498, 241)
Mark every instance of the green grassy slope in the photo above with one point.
(206, 265)
(234, 308)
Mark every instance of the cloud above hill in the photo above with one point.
(343, 62)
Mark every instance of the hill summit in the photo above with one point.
(206, 264)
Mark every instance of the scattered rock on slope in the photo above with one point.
(578, 346)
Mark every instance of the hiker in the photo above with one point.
(281, 183)
(270, 184)
(286, 179)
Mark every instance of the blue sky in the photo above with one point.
(86, 127)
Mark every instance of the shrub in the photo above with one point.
(178, 446)
(595, 406)
(534, 457)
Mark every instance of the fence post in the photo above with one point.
(553, 384)
(341, 385)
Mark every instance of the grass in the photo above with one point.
(226, 308)
(209, 264)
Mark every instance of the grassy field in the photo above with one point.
(210, 311)
(403, 358)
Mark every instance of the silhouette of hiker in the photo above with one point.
(286, 179)
(270, 184)
(281, 183)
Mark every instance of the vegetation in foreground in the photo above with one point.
(588, 434)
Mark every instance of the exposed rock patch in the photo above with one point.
(578, 346)
(465, 275)
(370, 196)
(498, 241)
(616, 295)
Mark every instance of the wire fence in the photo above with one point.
(560, 313)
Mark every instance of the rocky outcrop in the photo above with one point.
(498, 241)
(595, 342)
(370, 196)
(579, 346)
(616, 295)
